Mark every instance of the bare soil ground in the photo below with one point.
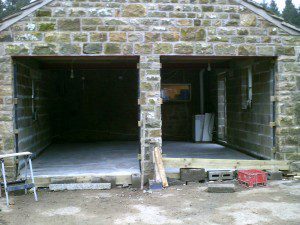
(278, 203)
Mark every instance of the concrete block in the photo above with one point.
(80, 186)
(136, 180)
(106, 179)
(63, 180)
(192, 174)
(220, 175)
(221, 188)
(274, 175)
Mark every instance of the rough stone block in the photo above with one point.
(80, 186)
(192, 174)
(221, 188)
(136, 180)
(274, 175)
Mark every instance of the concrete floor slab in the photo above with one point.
(116, 158)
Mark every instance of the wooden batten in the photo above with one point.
(159, 167)
(225, 164)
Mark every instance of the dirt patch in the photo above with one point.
(276, 204)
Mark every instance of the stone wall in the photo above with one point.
(150, 29)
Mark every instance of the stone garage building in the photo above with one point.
(77, 72)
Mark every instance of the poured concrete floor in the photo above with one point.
(116, 158)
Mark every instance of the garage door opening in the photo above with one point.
(78, 115)
(217, 107)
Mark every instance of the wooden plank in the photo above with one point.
(225, 163)
(15, 155)
(160, 167)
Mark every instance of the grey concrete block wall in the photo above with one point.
(150, 29)
(249, 128)
(35, 129)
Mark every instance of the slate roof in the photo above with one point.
(250, 4)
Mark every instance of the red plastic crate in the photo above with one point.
(251, 178)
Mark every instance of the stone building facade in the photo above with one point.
(151, 29)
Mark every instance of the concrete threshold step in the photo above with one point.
(80, 186)
(45, 181)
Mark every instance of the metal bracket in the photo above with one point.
(15, 101)
(161, 101)
(272, 98)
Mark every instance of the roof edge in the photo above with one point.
(14, 18)
(272, 18)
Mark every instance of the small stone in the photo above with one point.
(117, 37)
(44, 49)
(248, 20)
(204, 48)
(242, 31)
(247, 50)
(170, 37)
(134, 10)
(43, 13)
(143, 48)
(92, 48)
(112, 48)
(266, 50)
(163, 48)
(92, 21)
(80, 37)
(152, 37)
(70, 49)
(184, 48)
(98, 37)
(57, 37)
(5, 37)
(16, 49)
(225, 49)
(282, 50)
(207, 8)
(69, 24)
(47, 26)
